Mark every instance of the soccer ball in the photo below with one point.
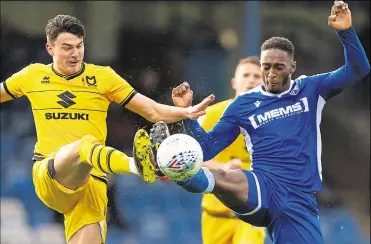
(179, 157)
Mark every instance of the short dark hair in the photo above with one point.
(280, 43)
(63, 23)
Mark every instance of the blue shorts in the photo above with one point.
(291, 216)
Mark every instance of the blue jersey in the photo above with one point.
(282, 131)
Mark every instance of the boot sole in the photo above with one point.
(143, 153)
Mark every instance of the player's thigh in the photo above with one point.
(49, 191)
(299, 222)
(89, 234)
(89, 210)
(68, 169)
(245, 233)
(288, 231)
(216, 230)
(255, 209)
(231, 186)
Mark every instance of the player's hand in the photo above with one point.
(182, 95)
(340, 18)
(233, 164)
(199, 109)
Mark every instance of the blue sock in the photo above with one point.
(202, 182)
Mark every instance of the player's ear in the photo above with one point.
(49, 49)
(233, 83)
(293, 67)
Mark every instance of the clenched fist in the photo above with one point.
(182, 96)
(340, 18)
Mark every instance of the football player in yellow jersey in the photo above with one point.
(219, 226)
(69, 100)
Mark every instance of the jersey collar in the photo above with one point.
(70, 77)
(276, 95)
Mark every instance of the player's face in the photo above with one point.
(276, 68)
(247, 76)
(67, 52)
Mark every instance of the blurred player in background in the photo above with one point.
(69, 100)
(219, 224)
(280, 121)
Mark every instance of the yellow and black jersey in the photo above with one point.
(65, 108)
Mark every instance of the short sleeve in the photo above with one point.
(15, 84)
(118, 89)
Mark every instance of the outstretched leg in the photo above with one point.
(73, 163)
(65, 183)
(229, 186)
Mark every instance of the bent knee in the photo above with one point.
(68, 168)
(234, 176)
(73, 152)
(233, 183)
(68, 153)
(89, 138)
(85, 145)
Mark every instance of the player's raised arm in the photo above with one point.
(219, 137)
(356, 64)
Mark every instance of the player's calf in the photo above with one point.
(103, 158)
(72, 164)
(111, 161)
(229, 186)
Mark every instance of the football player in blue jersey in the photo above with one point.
(280, 121)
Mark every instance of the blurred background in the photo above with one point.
(155, 46)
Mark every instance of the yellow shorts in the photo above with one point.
(220, 230)
(86, 205)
